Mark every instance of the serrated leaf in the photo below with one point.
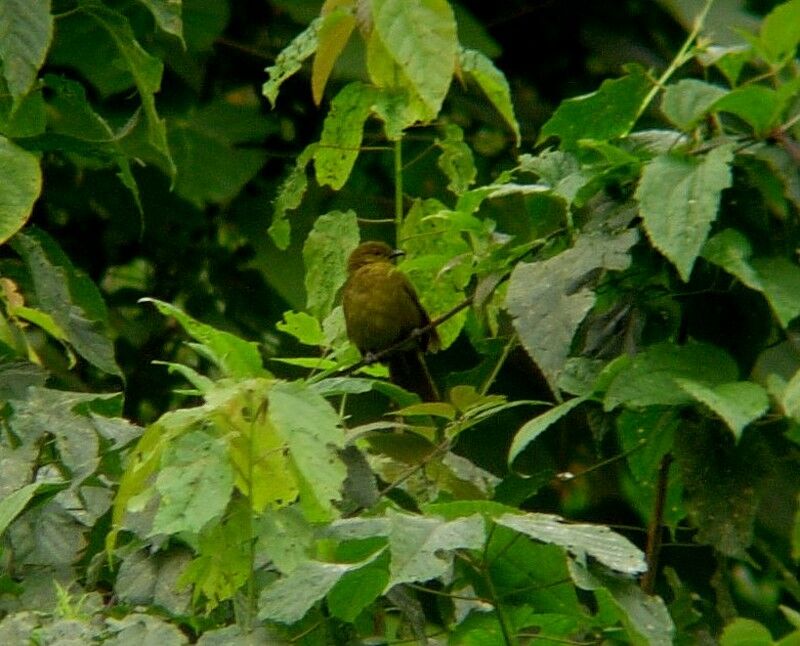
(678, 198)
(335, 30)
(535, 427)
(290, 60)
(195, 484)
(421, 547)
(325, 252)
(494, 85)
(421, 38)
(235, 356)
(456, 160)
(608, 113)
(145, 69)
(686, 102)
(22, 185)
(780, 31)
(342, 133)
(26, 29)
(290, 194)
(649, 378)
(737, 403)
(311, 430)
(597, 541)
(548, 299)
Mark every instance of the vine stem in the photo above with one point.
(680, 58)
(398, 188)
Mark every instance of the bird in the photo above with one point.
(381, 308)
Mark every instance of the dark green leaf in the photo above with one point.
(26, 28)
(23, 182)
(608, 113)
(649, 378)
(679, 197)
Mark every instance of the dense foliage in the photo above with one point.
(191, 450)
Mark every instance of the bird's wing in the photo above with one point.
(430, 342)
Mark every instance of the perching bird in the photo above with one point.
(380, 309)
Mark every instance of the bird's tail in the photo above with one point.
(408, 370)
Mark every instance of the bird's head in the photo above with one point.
(369, 252)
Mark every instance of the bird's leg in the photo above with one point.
(369, 358)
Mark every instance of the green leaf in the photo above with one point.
(581, 540)
(290, 598)
(289, 197)
(167, 14)
(546, 304)
(645, 617)
(608, 113)
(729, 60)
(737, 403)
(70, 114)
(69, 296)
(686, 102)
(26, 29)
(235, 356)
(356, 589)
(535, 427)
(646, 436)
(422, 547)
(731, 250)
(780, 31)
(758, 105)
(211, 152)
(290, 60)
(303, 327)
(22, 185)
(325, 252)
(745, 632)
(145, 69)
(12, 505)
(456, 160)
(335, 30)
(342, 133)
(493, 83)
(432, 240)
(678, 198)
(721, 483)
(195, 484)
(421, 38)
(311, 430)
(780, 278)
(649, 378)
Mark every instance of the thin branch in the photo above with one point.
(402, 343)
(655, 527)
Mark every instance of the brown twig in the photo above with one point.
(655, 527)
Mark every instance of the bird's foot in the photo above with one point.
(369, 358)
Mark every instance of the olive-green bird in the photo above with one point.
(382, 308)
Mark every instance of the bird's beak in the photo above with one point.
(396, 253)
